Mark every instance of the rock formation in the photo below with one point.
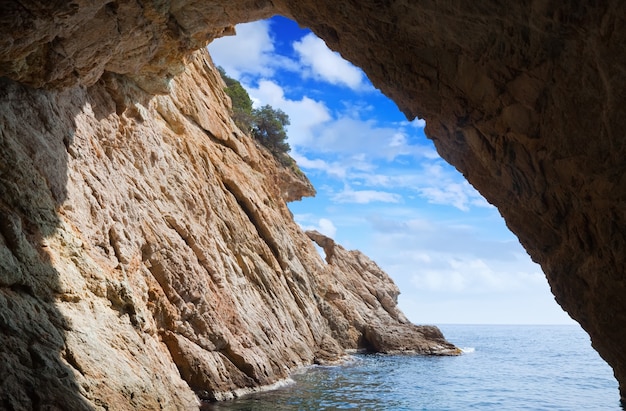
(359, 311)
(148, 255)
(525, 98)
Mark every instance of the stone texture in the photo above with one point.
(360, 300)
(148, 259)
(525, 98)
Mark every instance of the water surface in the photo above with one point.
(503, 368)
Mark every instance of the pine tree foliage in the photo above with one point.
(266, 124)
(269, 128)
(242, 104)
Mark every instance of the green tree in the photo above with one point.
(266, 124)
(242, 104)
(269, 128)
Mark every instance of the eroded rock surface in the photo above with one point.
(364, 314)
(148, 258)
(525, 98)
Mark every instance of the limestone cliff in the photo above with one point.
(359, 311)
(525, 98)
(147, 254)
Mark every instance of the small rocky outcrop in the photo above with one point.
(361, 300)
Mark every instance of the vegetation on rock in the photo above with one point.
(268, 127)
(265, 124)
(241, 102)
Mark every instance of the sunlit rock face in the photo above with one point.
(525, 98)
(148, 259)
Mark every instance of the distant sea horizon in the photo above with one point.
(504, 367)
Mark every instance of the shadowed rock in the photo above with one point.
(525, 98)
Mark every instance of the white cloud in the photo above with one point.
(433, 181)
(327, 227)
(430, 234)
(415, 123)
(426, 254)
(327, 65)
(418, 123)
(398, 140)
(474, 275)
(455, 194)
(334, 169)
(430, 280)
(304, 114)
(251, 51)
(350, 135)
(447, 187)
(365, 196)
(322, 225)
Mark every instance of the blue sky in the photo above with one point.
(382, 188)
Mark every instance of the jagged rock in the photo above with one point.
(148, 258)
(525, 98)
(396, 339)
(361, 300)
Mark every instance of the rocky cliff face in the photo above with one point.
(526, 99)
(148, 258)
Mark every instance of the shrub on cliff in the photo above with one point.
(242, 104)
(269, 128)
(266, 124)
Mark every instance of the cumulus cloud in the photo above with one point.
(304, 114)
(326, 65)
(347, 134)
(348, 195)
(381, 182)
(322, 225)
(432, 235)
(418, 123)
(474, 275)
(251, 51)
(434, 255)
(454, 194)
(447, 187)
(415, 123)
(431, 180)
(333, 169)
(326, 227)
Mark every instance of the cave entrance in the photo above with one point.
(381, 186)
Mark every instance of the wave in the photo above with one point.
(468, 350)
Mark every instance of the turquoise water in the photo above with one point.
(503, 368)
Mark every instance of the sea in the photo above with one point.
(503, 367)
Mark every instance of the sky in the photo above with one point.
(381, 186)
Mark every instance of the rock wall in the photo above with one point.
(526, 99)
(148, 258)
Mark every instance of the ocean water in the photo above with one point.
(503, 368)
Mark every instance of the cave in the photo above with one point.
(525, 99)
